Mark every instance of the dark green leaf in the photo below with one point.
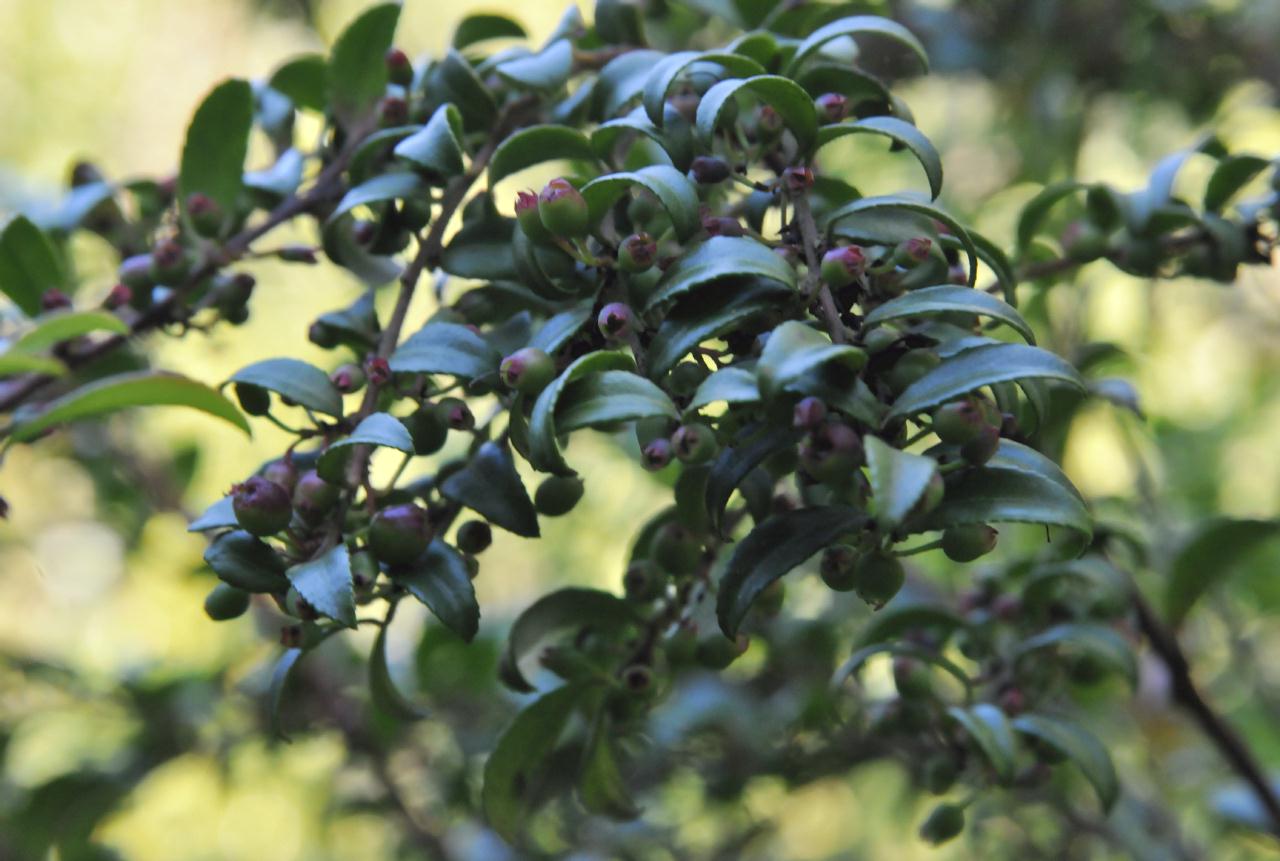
(733, 385)
(29, 265)
(707, 314)
(898, 480)
(992, 495)
(1037, 209)
(437, 147)
(721, 258)
(601, 786)
(59, 326)
(1016, 457)
(571, 608)
(772, 549)
(357, 67)
(112, 394)
(794, 350)
(558, 330)
(482, 27)
(243, 561)
(1209, 557)
(1097, 640)
(856, 26)
(665, 73)
(440, 579)
(302, 383)
(1079, 745)
(383, 692)
(325, 582)
(997, 261)
(275, 695)
(675, 137)
(622, 79)
(216, 144)
(1146, 204)
(456, 81)
(676, 193)
(891, 203)
(609, 397)
(1232, 174)
(220, 515)
(382, 188)
(512, 771)
(785, 96)
(446, 348)
(547, 70)
(900, 132)
(946, 299)
(990, 730)
(734, 463)
(490, 485)
(544, 447)
(536, 145)
(377, 429)
(304, 80)
(982, 366)
(905, 649)
(896, 619)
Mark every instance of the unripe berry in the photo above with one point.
(399, 534)
(563, 210)
(911, 366)
(716, 652)
(399, 68)
(836, 567)
(234, 293)
(959, 422)
(323, 335)
(809, 413)
(843, 265)
(528, 370)
(54, 299)
(348, 378)
(709, 170)
(313, 497)
(262, 507)
(616, 320)
(982, 448)
(558, 494)
(656, 455)
(832, 107)
(205, 214)
(910, 253)
(878, 577)
(912, 678)
(940, 772)
(1083, 242)
(637, 253)
(254, 400)
(968, 541)
(120, 295)
(429, 429)
(364, 569)
(686, 377)
(944, 823)
(283, 473)
(225, 602)
(393, 111)
(298, 607)
(676, 549)
(457, 414)
(831, 453)
(474, 536)
(530, 220)
(694, 443)
(644, 581)
(169, 264)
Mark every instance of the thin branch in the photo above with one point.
(809, 239)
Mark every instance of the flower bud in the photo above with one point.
(832, 453)
(877, 578)
(399, 534)
(399, 68)
(694, 443)
(206, 215)
(832, 107)
(843, 266)
(261, 507)
(528, 370)
(910, 253)
(378, 370)
(474, 536)
(809, 413)
(709, 170)
(348, 378)
(637, 253)
(966, 542)
(616, 320)
(563, 210)
(313, 497)
(798, 179)
(530, 220)
(558, 494)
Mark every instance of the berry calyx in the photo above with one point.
(694, 443)
(656, 454)
(616, 321)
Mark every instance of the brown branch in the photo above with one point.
(809, 239)
(1215, 727)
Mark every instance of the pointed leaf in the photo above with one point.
(242, 561)
(296, 380)
(377, 429)
(547, 70)
(558, 612)
(795, 350)
(1232, 174)
(482, 27)
(734, 463)
(437, 147)
(896, 619)
(601, 786)
(14, 362)
(560, 329)
(325, 582)
(986, 496)
(439, 579)
(676, 193)
(721, 258)
(544, 447)
(900, 132)
(733, 385)
(785, 96)
(357, 67)
(216, 145)
(446, 348)
(893, 203)
(609, 397)
(536, 145)
(1037, 209)
(489, 485)
(707, 314)
(1081, 747)
(275, 693)
(282, 178)
(990, 730)
(29, 265)
(59, 326)
(664, 75)
(219, 515)
(380, 189)
(904, 649)
(857, 26)
(946, 299)
(383, 693)
(304, 80)
(898, 480)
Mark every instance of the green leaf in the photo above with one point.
(982, 366)
(664, 75)
(900, 132)
(1095, 575)
(1211, 555)
(243, 561)
(733, 385)
(1016, 457)
(990, 730)
(29, 265)
(439, 579)
(514, 769)
(721, 258)
(304, 80)
(1145, 204)
(1098, 640)
(456, 81)
(734, 463)
(546, 71)
(482, 27)
(601, 786)
(676, 193)
(773, 548)
(555, 613)
(382, 188)
(855, 26)
(1037, 209)
(675, 137)
(544, 447)
(785, 96)
(1232, 174)
(275, 693)
(216, 145)
(946, 299)
(892, 203)
(905, 649)
(74, 207)
(609, 397)
(991, 495)
(377, 429)
(536, 145)
(795, 350)
(281, 179)
(220, 515)
(898, 480)
(490, 485)
(446, 348)
(59, 326)
(357, 67)
(558, 330)
(622, 80)
(112, 394)
(437, 147)
(1081, 747)
(302, 383)
(15, 362)
(896, 619)
(325, 582)
(707, 314)
(383, 693)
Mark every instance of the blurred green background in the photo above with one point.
(108, 666)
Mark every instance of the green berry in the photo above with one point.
(474, 536)
(676, 549)
(225, 602)
(262, 507)
(169, 263)
(135, 273)
(348, 378)
(832, 453)
(298, 607)
(364, 569)
(717, 652)
(637, 253)
(563, 210)
(982, 448)
(944, 823)
(940, 772)
(281, 472)
(694, 443)
(912, 678)
(558, 494)
(616, 321)
(205, 214)
(911, 366)
(428, 429)
(843, 266)
(399, 534)
(837, 567)
(457, 415)
(709, 170)
(528, 370)
(323, 335)
(968, 541)
(959, 422)
(313, 497)
(530, 221)
(644, 581)
(878, 577)
(254, 400)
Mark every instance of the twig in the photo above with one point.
(809, 238)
